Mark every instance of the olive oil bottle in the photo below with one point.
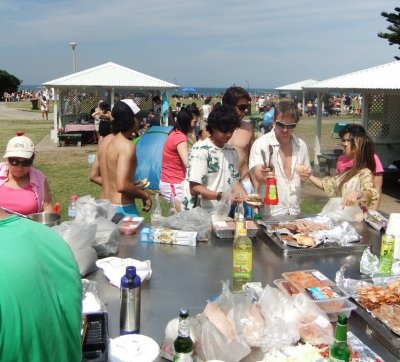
(242, 261)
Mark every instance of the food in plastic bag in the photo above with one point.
(91, 301)
(80, 238)
(107, 237)
(196, 219)
(338, 212)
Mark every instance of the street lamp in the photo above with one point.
(73, 45)
(248, 86)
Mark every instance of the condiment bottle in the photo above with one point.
(183, 344)
(271, 195)
(72, 207)
(386, 256)
(339, 351)
(129, 319)
(242, 272)
(240, 221)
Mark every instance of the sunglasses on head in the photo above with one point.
(16, 162)
(286, 126)
(243, 107)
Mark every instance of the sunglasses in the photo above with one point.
(16, 162)
(286, 126)
(243, 107)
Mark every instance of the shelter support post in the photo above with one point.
(54, 131)
(364, 110)
(317, 147)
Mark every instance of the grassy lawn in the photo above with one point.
(68, 171)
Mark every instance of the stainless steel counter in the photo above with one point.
(187, 276)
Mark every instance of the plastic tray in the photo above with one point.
(129, 225)
(95, 343)
(226, 229)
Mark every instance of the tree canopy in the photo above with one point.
(8, 83)
(393, 34)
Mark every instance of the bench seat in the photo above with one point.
(65, 139)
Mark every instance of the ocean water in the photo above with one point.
(211, 91)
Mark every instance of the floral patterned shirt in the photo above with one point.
(213, 167)
(362, 181)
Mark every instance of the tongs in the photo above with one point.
(271, 151)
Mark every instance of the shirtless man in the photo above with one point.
(115, 163)
(243, 137)
(288, 151)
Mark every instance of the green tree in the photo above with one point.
(8, 83)
(393, 35)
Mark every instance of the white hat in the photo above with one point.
(20, 146)
(132, 105)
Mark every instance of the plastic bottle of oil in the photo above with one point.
(242, 261)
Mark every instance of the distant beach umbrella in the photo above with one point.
(189, 90)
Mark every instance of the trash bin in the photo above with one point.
(35, 103)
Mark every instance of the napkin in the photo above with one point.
(114, 268)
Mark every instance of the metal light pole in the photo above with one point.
(73, 45)
(248, 86)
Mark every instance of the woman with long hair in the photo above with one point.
(355, 185)
(175, 155)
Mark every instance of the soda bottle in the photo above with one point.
(386, 256)
(339, 351)
(156, 213)
(129, 318)
(271, 196)
(72, 207)
(242, 260)
(183, 344)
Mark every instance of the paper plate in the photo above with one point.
(133, 348)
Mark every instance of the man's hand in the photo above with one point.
(147, 203)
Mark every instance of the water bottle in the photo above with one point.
(156, 212)
(72, 207)
(129, 318)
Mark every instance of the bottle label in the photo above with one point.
(183, 357)
(387, 251)
(272, 193)
(184, 327)
(72, 212)
(242, 264)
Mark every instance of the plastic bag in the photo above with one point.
(338, 212)
(91, 302)
(107, 237)
(80, 238)
(220, 336)
(88, 209)
(196, 219)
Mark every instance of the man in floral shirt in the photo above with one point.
(213, 165)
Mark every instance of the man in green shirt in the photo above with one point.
(40, 294)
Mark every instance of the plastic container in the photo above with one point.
(318, 288)
(95, 342)
(226, 229)
(129, 225)
(290, 290)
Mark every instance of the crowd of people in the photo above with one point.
(221, 161)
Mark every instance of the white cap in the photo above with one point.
(20, 146)
(132, 105)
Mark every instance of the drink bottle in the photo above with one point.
(183, 344)
(129, 321)
(240, 221)
(72, 207)
(339, 351)
(172, 207)
(271, 196)
(386, 256)
(156, 213)
(242, 261)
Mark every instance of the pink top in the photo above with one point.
(343, 163)
(37, 180)
(173, 170)
(23, 201)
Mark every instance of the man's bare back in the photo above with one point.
(242, 139)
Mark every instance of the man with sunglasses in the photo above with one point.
(23, 188)
(288, 151)
(243, 137)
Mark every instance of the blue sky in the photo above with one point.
(200, 43)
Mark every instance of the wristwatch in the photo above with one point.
(219, 196)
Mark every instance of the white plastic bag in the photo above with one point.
(88, 209)
(80, 238)
(107, 237)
